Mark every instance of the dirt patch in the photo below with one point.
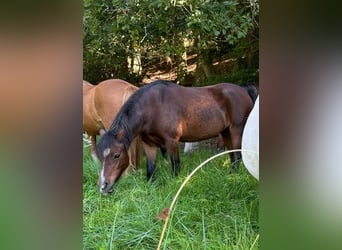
(167, 70)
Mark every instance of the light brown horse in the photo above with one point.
(101, 103)
(162, 114)
(89, 122)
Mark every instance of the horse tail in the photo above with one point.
(252, 91)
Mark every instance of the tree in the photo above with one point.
(125, 38)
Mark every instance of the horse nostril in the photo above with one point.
(103, 186)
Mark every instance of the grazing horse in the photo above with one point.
(253, 91)
(164, 113)
(101, 103)
(89, 123)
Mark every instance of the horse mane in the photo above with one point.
(121, 120)
(252, 90)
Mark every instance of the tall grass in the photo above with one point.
(216, 209)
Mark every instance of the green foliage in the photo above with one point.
(216, 210)
(115, 30)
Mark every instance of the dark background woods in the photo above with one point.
(193, 42)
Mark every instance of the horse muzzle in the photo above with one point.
(106, 188)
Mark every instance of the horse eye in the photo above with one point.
(116, 156)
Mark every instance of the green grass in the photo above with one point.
(216, 209)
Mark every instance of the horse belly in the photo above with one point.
(202, 125)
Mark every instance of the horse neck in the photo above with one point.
(131, 124)
(134, 124)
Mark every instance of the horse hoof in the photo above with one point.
(233, 171)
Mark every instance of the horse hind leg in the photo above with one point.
(232, 139)
(220, 144)
(236, 138)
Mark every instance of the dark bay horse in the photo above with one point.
(253, 91)
(101, 103)
(164, 113)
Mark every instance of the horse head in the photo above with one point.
(114, 158)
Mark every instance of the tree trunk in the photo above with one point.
(205, 67)
(182, 69)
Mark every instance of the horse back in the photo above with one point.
(87, 85)
(109, 97)
(219, 106)
(198, 112)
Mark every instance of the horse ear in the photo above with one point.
(120, 135)
(102, 132)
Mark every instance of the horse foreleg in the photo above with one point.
(134, 155)
(172, 148)
(175, 164)
(92, 147)
(151, 154)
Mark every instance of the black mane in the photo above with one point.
(124, 112)
(121, 119)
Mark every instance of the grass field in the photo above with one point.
(216, 209)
